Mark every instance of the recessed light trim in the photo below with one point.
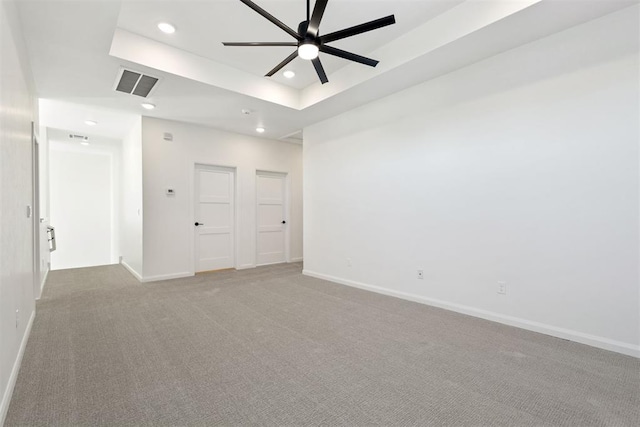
(84, 143)
(260, 129)
(148, 106)
(166, 28)
(90, 122)
(289, 74)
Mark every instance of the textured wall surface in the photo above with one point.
(16, 229)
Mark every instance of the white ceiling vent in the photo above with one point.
(135, 83)
(294, 138)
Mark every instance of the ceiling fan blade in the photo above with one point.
(320, 70)
(358, 29)
(292, 44)
(348, 55)
(314, 22)
(271, 18)
(282, 64)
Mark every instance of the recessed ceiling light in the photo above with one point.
(90, 122)
(148, 106)
(84, 143)
(166, 28)
(289, 74)
(260, 130)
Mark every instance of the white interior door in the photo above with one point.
(214, 218)
(272, 219)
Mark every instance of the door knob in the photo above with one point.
(198, 223)
(284, 222)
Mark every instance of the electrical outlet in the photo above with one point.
(420, 274)
(502, 288)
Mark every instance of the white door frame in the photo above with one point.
(192, 167)
(35, 211)
(287, 211)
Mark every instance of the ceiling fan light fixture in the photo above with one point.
(308, 51)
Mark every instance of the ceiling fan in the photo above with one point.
(309, 41)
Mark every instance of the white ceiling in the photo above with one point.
(77, 47)
(96, 142)
(70, 118)
(204, 25)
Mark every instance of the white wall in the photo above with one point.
(130, 241)
(522, 168)
(16, 229)
(84, 203)
(168, 220)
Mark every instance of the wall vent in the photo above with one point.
(135, 83)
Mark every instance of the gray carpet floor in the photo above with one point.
(269, 346)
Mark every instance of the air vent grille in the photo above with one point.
(135, 83)
(128, 81)
(144, 86)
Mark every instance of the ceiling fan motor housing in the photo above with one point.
(305, 38)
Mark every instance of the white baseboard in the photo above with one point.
(8, 392)
(166, 277)
(248, 266)
(130, 269)
(580, 337)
